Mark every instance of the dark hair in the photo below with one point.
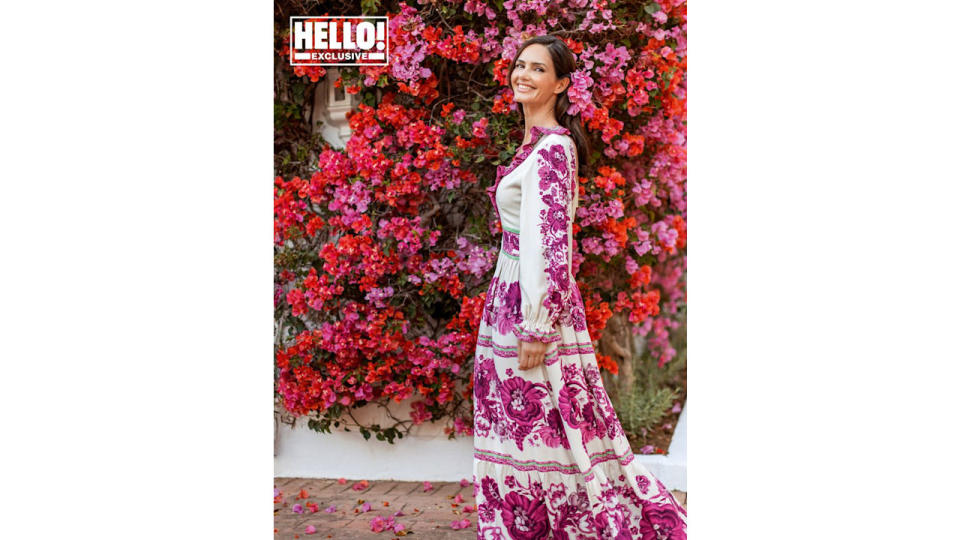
(564, 63)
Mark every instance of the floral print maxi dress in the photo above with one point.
(551, 460)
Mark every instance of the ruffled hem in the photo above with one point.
(611, 501)
(524, 332)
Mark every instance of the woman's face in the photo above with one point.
(534, 80)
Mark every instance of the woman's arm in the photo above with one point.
(545, 286)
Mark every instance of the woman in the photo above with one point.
(550, 457)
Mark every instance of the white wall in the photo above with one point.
(426, 455)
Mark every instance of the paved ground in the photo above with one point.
(426, 514)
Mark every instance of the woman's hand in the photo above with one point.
(531, 353)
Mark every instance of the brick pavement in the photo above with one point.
(426, 514)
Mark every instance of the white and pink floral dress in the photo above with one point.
(551, 460)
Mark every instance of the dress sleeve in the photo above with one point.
(545, 227)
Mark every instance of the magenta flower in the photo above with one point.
(378, 524)
(330, 509)
(522, 400)
(579, 91)
(480, 128)
(310, 529)
(462, 524)
(427, 486)
(297, 508)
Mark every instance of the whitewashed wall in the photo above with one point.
(426, 455)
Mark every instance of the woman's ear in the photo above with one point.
(562, 84)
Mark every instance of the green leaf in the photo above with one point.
(651, 8)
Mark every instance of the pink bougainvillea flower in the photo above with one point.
(458, 498)
(462, 524)
(397, 527)
(464, 482)
(314, 507)
(341, 480)
(365, 507)
(399, 513)
(310, 529)
(648, 449)
(361, 485)
(379, 524)
(330, 509)
(469, 509)
(297, 508)
(427, 486)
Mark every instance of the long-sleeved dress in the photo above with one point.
(551, 460)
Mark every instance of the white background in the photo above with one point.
(137, 255)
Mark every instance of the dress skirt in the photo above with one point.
(551, 460)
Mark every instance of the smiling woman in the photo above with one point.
(551, 459)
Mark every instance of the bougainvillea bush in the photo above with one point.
(384, 248)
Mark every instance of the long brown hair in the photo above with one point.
(564, 63)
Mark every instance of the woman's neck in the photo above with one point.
(542, 118)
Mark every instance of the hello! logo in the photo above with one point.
(339, 41)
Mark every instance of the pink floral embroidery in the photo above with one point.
(511, 243)
(502, 306)
(511, 408)
(535, 133)
(531, 510)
